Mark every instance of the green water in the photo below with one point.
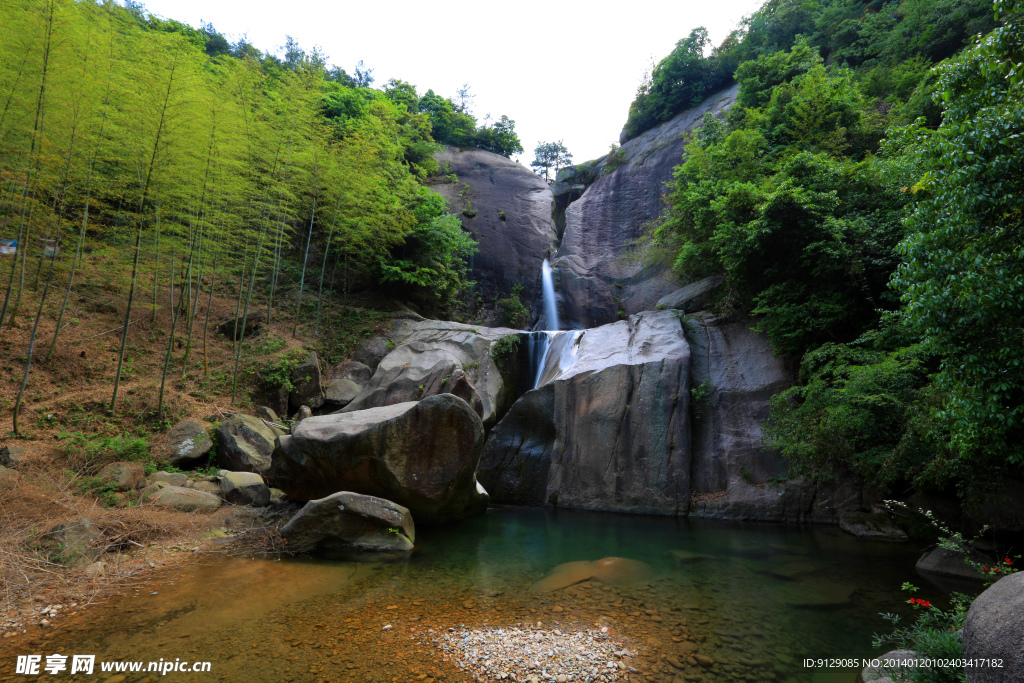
(759, 599)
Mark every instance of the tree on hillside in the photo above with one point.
(550, 155)
(963, 276)
(500, 138)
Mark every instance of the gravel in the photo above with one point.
(535, 654)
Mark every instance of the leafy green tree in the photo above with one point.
(550, 155)
(963, 278)
(500, 138)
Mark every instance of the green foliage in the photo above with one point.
(963, 278)
(550, 155)
(512, 311)
(864, 411)
(432, 263)
(277, 372)
(616, 157)
(505, 350)
(700, 399)
(95, 450)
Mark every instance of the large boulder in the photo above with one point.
(347, 521)
(244, 488)
(187, 442)
(436, 357)
(994, 630)
(245, 443)
(307, 389)
(340, 392)
(354, 371)
(422, 455)
(595, 284)
(75, 543)
(183, 499)
(508, 210)
(607, 429)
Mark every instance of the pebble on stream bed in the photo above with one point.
(536, 654)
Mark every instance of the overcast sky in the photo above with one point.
(560, 70)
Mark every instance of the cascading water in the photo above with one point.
(545, 340)
(548, 292)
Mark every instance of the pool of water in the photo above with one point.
(757, 599)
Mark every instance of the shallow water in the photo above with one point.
(756, 598)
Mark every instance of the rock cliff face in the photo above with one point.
(607, 433)
(596, 286)
(508, 209)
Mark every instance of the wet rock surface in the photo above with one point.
(421, 455)
(607, 432)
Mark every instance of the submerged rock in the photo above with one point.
(611, 571)
(421, 455)
(994, 630)
(437, 357)
(606, 432)
(349, 521)
(245, 443)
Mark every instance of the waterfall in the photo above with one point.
(550, 321)
(544, 340)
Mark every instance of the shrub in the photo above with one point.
(512, 311)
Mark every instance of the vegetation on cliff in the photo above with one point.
(861, 201)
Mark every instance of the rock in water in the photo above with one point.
(609, 432)
(245, 443)
(611, 571)
(349, 521)
(512, 219)
(420, 455)
(437, 357)
(994, 629)
(875, 525)
(187, 442)
(942, 562)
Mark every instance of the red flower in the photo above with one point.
(984, 569)
(1008, 561)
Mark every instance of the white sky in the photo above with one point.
(560, 70)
